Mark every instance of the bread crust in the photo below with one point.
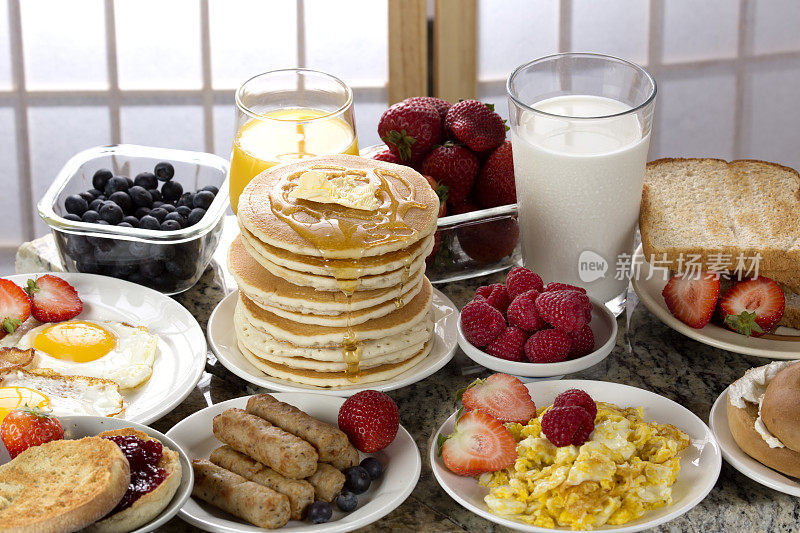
(742, 426)
(62, 485)
(149, 505)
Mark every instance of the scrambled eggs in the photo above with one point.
(626, 468)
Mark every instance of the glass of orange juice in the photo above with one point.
(285, 115)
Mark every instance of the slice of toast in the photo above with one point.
(149, 505)
(718, 210)
(62, 485)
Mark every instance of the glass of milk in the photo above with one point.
(580, 130)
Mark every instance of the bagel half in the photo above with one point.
(780, 408)
(149, 505)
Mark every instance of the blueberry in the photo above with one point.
(133, 221)
(106, 256)
(373, 467)
(123, 200)
(170, 225)
(171, 191)
(186, 199)
(95, 205)
(130, 182)
(203, 199)
(116, 184)
(181, 266)
(102, 198)
(319, 512)
(140, 196)
(195, 216)
(165, 252)
(111, 213)
(141, 211)
(103, 222)
(356, 479)
(149, 222)
(91, 216)
(146, 180)
(151, 269)
(156, 194)
(169, 208)
(95, 192)
(183, 211)
(139, 278)
(100, 178)
(164, 171)
(210, 188)
(72, 217)
(159, 213)
(87, 266)
(347, 501)
(77, 246)
(140, 249)
(157, 203)
(124, 225)
(86, 195)
(176, 217)
(75, 204)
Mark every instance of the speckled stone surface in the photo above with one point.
(648, 355)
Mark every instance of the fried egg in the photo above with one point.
(109, 350)
(60, 395)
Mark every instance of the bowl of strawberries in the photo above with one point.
(463, 152)
(525, 328)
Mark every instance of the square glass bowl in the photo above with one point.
(168, 261)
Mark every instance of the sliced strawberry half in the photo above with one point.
(480, 443)
(15, 307)
(53, 299)
(692, 299)
(753, 307)
(502, 396)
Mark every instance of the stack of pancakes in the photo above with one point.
(322, 285)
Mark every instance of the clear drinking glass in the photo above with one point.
(285, 115)
(580, 131)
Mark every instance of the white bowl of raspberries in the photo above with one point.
(529, 329)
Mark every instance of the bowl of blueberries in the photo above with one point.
(148, 215)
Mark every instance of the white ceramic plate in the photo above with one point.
(604, 327)
(401, 463)
(783, 344)
(758, 472)
(181, 355)
(700, 463)
(77, 427)
(222, 338)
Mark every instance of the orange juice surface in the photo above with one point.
(260, 144)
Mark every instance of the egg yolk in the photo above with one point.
(13, 397)
(76, 341)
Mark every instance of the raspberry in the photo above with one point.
(481, 323)
(509, 345)
(567, 425)
(556, 286)
(563, 309)
(522, 312)
(548, 346)
(495, 295)
(582, 342)
(521, 280)
(578, 398)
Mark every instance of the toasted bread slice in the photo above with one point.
(710, 207)
(149, 505)
(62, 485)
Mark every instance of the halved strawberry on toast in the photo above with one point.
(753, 307)
(480, 443)
(692, 299)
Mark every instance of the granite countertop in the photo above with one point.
(648, 355)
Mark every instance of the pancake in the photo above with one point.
(330, 283)
(311, 335)
(407, 212)
(335, 379)
(269, 290)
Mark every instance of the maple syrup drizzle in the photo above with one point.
(332, 227)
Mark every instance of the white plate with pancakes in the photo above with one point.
(156, 369)
(737, 458)
(400, 460)
(700, 463)
(649, 281)
(223, 341)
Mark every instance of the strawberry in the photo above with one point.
(15, 307)
(481, 323)
(495, 183)
(454, 166)
(441, 106)
(509, 345)
(25, 427)
(476, 125)
(692, 301)
(480, 443)
(53, 299)
(753, 307)
(565, 310)
(441, 191)
(486, 242)
(548, 346)
(388, 156)
(502, 396)
(370, 420)
(521, 279)
(410, 130)
(570, 424)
